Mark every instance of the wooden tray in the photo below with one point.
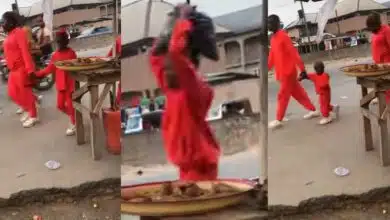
(85, 67)
(186, 207)
(347, 70)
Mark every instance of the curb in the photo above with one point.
(109, 187)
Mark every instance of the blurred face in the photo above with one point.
(8, 24)
(319, 67)
(273, 24)
(373, 23)
(62, 42)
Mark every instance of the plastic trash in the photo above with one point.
(53, 165)
(341, 171)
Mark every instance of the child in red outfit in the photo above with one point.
(64, 83)
(322, 86)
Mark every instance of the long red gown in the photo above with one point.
(20, 63)
(65, 84)
(188, 139)
(380, 47)
(285, 58)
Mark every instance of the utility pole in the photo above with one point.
(263, 87)
(306, 25)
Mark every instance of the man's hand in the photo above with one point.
(302, 76)
(33, 77)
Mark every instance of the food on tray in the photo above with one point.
(362, 68)
(81, 62)
(180, 191)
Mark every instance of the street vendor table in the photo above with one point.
(379, 86)
(92, 79)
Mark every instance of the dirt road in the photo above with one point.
(99, 208)
(378, 211)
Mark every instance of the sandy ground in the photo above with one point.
(99, 208)
(378, 211)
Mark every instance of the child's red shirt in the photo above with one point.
(63, 81)
(321, 82)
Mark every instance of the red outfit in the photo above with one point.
(321, 83)
(380, 47)
(20, 63)
(188, 139)
(64, 83)
(118, 49)
(285, 58)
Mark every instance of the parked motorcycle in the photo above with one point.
(44, 84)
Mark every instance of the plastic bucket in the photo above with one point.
(112, 128)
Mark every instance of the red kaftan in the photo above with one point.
(188, 139)
(20, 63)
(285, 58)
(380, 47)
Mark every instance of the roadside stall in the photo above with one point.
(90, 74)
(375, 77)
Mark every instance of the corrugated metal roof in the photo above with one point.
(241, 21)
(146, 19)
(310, 17)
(36, 8)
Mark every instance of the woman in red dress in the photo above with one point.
(188, 139)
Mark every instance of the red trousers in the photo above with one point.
(324, 99)
(21, 93)
(64, 104)
(291, 87)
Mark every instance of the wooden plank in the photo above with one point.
(384, 133)
(368, 98)
(367, 124)
(385, 113)
(81, 108)
(80, 132)
(95, 145)
(80, 92)
(101, 99)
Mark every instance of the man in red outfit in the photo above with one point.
(380, 45)
(21, 66)
(285, 58)
(64, 83)
(118, 49)
(188, 139)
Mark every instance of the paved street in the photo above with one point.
(24, 151)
